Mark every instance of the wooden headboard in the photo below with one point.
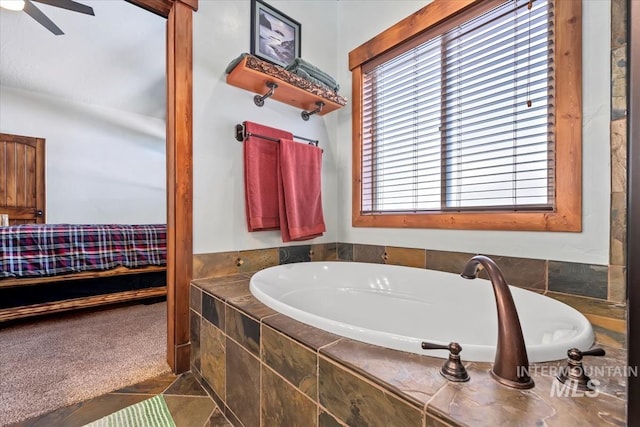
(22, 192)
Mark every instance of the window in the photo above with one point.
(473, 122)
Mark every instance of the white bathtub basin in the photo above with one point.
(399, 307)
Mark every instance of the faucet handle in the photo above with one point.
(574, 372)
(453, 347)
(434, 346)
(453, 369)
(577, 355)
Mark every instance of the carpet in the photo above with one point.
(50, 363)
(148, 413)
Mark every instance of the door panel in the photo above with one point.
(22, 192)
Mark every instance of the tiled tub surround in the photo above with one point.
(266, 369)
(588, 280)
(597, 291)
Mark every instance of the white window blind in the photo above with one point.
(464, 120)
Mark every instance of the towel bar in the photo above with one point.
(242, 134)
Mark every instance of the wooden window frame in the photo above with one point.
(567, 215)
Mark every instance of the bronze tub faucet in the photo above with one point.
(511, 364)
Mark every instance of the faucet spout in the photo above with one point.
(511, 364)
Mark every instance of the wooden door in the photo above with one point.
(22, 193)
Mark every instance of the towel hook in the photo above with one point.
(306, 114)
(259, 100)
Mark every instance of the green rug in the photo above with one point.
(148, 413)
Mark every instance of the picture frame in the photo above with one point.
(275, 37)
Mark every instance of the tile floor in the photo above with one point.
(188, 402)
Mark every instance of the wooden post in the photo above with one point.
(179, 183)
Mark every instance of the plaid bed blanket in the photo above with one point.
(30, 250)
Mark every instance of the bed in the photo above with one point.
(47, 268)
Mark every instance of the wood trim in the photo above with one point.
(159, 7)
(119, 271)
(193, 4)
(41, 182)
(179, 183)
(183, 357)
(471, 221)
(78, 303)
(163, 7)
(568, 214)
(356, 151)
(633, 213)
(568, 97)
(427, 17)
(172, 320)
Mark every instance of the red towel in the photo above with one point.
(261, 177)
(299, 188)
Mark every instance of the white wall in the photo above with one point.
(358, 21)
(221, 33)
(94, 176)
(103, 165)
(329, 31)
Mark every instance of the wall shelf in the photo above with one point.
(258, 76)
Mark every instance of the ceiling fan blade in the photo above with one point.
(69, 5)
(42, 19)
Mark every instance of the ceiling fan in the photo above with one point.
(38, 15)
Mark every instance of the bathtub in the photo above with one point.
(399, 307)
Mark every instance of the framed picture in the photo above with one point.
(274, 36)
